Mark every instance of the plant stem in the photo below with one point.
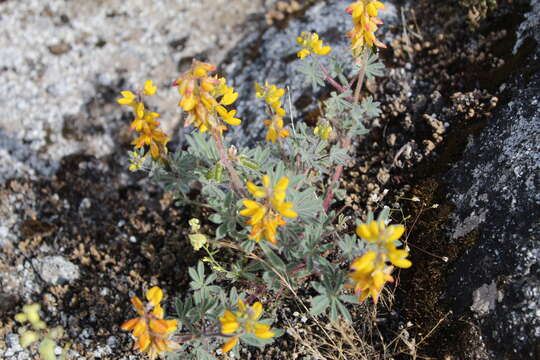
(346, 142)
(235, 179)
(333, 82)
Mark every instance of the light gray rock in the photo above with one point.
(12, 344)
(56, 270)
(484, 299)
(63, 63)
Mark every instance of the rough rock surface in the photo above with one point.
(495, 190)
(270, 55)
(63, 62)
(56, 270)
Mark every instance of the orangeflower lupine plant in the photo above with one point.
(371, 271)
(365, 18)
(277, 236)
(200, 93)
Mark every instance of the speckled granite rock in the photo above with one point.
(496, 192)
(270, 55)
(63, 62)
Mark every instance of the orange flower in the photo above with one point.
(200, 93)
(266, 216)
(150, 329)
(145, 122)
(246, 320)
(364, 15)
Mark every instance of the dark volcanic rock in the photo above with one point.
(270, 55)
(495, 190)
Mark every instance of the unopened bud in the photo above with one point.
(232, 151)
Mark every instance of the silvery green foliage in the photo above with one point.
(310, 68)
(374, 67)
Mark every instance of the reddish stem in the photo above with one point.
(346, 142)
(333, 82)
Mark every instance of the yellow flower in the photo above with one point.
(371, 271)
(266, 216)
(272, 96)
(200, 93)
(377, 231)
(145, 123)
(311, 44)
(323, 130)
(128, 98)
(149, 88)
(369, 275)
(245, 320)
(150, 329)
(275, 129)
(364, 15)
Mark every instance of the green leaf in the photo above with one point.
(370, 107)
(215, 218)
(248, 245)
(221, 231)
(333, 310)
(194, 275)
(312, 73)
(351, 299)
(384, 214)
(319, 304)
(343, 310)
(273, 259)
(374, 67)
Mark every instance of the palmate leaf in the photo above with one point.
(374, 67)
(312, 73)
(319, 304)
(371, 108)
(203, 147)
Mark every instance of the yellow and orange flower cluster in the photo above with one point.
(364, 15)
(371, 271)
(200, 93)
(150, 329)
(145, 122)
(245, 320)
(311, 44)
(272, 96)
(267, 215)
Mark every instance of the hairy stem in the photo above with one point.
(235, 179)
(332, 81)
